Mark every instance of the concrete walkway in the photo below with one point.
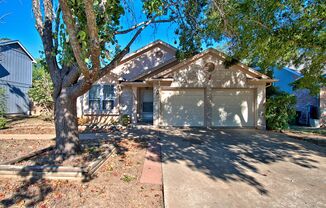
(241, 168)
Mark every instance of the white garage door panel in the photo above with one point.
(182, 107)
(233, 108)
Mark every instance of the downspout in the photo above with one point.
(269, 84)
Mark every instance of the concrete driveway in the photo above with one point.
(241, 168)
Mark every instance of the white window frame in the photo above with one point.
(102, 99)
(110, 98)
(90, 109)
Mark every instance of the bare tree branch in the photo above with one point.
(93, 36)
(83, 85)
(48, 10)
(72, 76)
(57, 24)
(126, 50)
(38, 16)
(3, 16)
(141, 24)
(70, 23)
(45, 31)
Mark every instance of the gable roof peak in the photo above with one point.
(10, 42)
(146, 48)
(250, 71)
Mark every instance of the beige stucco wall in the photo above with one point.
(126, 101)
(144, 63)
(260, 106)
(133, 68)
(194, 75)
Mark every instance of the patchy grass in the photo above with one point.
(127, 178)
(308, 130)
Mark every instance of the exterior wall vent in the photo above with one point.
(210, 66)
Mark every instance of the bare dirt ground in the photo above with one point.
(91, 152)
(116, 185)
(35, 125)
(12, 149)
(28, 125)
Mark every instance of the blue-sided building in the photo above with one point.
(16, 75)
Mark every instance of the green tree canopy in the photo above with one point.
(42, 87)
(266, 33)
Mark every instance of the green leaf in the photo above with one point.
(81, 35)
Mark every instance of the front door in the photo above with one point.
(146, 105)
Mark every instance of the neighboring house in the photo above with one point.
(150, 85)
(15, 76)
(286, 76)
(304, 101)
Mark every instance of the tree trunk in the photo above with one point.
(66, 126)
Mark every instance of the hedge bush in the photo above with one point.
(280, 111)
(125, 120)
(3, 121)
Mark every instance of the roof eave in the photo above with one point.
(249, 70)
(24, 49)
(255, 81)
(145, 49)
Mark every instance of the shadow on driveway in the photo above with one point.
(193, 159)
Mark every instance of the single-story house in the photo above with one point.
(306, 104)
(151, 85)
(15, 75)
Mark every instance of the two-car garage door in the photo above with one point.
(186, 107)
(182, 107)
(233, 108)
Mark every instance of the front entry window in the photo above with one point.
(147, 106)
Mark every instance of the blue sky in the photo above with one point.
(18, 24)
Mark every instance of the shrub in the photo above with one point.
(280, 111)
(2, 101)
(3, 121)
(125, 120)
(42, 89)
